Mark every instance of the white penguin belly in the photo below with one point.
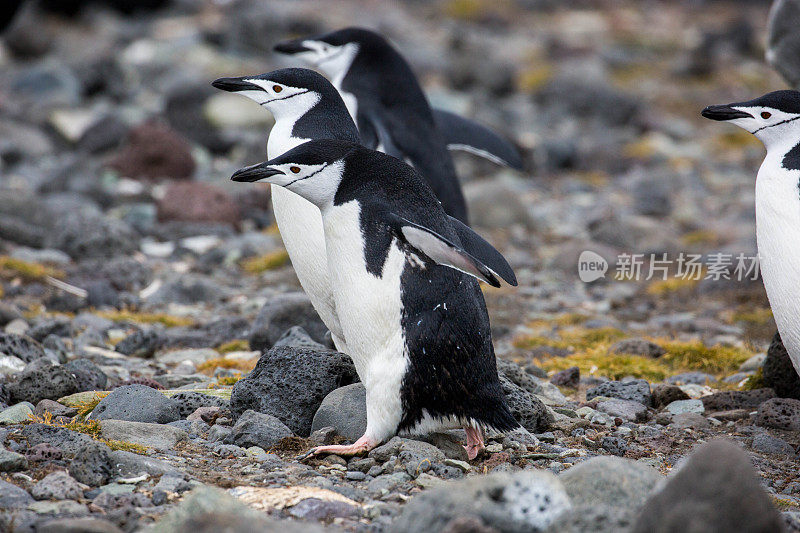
(778, 235)
(300, 224)
(370, 313)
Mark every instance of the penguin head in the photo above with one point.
(333, 52)
(312, 170)
(281, 90)
(774, 118)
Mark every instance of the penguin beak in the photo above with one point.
(255, 173)
(294, 46)
(233, 85)
(724, 112)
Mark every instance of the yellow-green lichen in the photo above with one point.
(147, 318)
(263, 263)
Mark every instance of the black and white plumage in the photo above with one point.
(416, 324)
(305, 106)
(392, 112)
(775, 120)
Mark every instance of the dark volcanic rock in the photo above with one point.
(93, 464)
(258, 429)
(664, 394)
(779, 413)
(716, 491)
(637, 390)
(290, 384)
(69, 442)
(20, 346)
(90, 235)
(154, 151)
(281, 313)
(637, 346)
(42, 380)
(141, 343)
(87, 374)
(137, 403)
(197, 202)
(567, 378)
(527, 409)
(736, 399)
(778, 371)
(188, 402)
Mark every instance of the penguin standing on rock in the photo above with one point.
(403, 275)
(392, 112)
(306, 107)
(775, 120)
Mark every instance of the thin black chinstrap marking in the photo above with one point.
(776, 124)
(285, 97)
(301, 179)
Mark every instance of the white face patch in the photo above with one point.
(315, 183)
(770, 125)
(273, 93)
(334, 61)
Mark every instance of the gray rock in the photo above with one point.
(686, 378)
(208, 510)
(141, 343)
(610, 481)
(778, 371)
(625, 409)
(188, 289)
(614, 445)
(281, 313)
(569, 377)
(69, 442)
(290, 384)
(42, 380)
(12, 461)
(189, 402)
(258, 429)
(58, 486)
(319, 510)
(87, 374)
(783, 46)
(86, 236)
(92, 464)
(779, 413)
(297, 337)
(521, 502)
(736, 399)
(344, 409)
(637, 346)
(689, 421)
(664, 394)
(16, 414)
(637, 390)
(716, 490)
(137, 403)
(10, 365)
(686, 406)
(158, 436)
(764, 442)
(527, 409)
(595, 519)
(78, 525)
(127, 464)
(589, 100)
(13, 497)
(54, 408)
(20, 346)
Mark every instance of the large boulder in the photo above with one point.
(522, 502)
(20, 346)
(290, 384)
(778, 371)
(783, 46)
(717, 490)
(779, 413)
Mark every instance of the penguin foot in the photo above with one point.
(362, 445)
(475, 444)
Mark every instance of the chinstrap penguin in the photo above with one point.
(775, 120)
(403, 275)
(306, 107)
(392, 113)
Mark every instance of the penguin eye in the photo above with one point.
(765, 114)
(277, 88)
(295, 170)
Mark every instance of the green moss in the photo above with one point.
(697, 356)
(574, 338)
(147, 318)
(614, 366)
(263, 263)
(87, 406)
(667, 286)
(756, 381)
(228, 381)
(759, 316)
(16, 268)
(125, 446)
(220, 362)
(239, 345)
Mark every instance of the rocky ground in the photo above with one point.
(160, 368)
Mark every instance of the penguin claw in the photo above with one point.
(308, 454)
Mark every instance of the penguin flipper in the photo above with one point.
(463, 134)
(480, 248)
(443, 251)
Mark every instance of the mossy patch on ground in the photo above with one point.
(663, 287)
(268, 261)
(86, 407)
(169, 321)
(16, 268)
(571, 338)
(238, 345)
(208, 367)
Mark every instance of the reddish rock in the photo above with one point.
(154, 151)
(197, 202)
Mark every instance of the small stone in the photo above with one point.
(13, 497)
(614, 445)
(665, 394)
(637, 390)
(317, 509)
(764, 442)
(686, 406)
(637, 346)
(58, 486)
(137, 403)
(16, 414)
(610, 481)
(690, 378)
(54, 408)
(753, 363)
(344, 409)
(198, 202)
(12, 461)
(322, 436)
(779, 413)
(159, 436)
(624, 409)
(689, 421)
(728, 400)
(258, 429)
(461, 465)
(570, 377)
(92, 464)
(355, 475)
